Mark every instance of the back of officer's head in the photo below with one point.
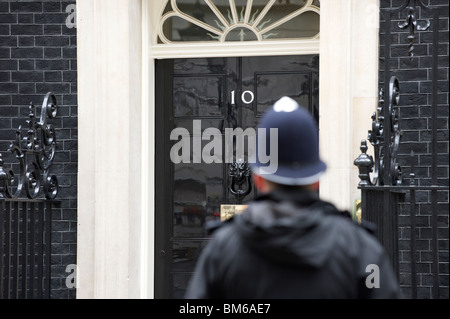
(299, 162)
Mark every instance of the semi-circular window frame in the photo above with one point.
(236, 19)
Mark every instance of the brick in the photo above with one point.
(4, 7)
(25, 18)
(52, 6)
(426, 136)
(71, 144)
(27, 88)
(25, 6)
(410, 136)
(5, 99)
(59, 88)
(407, 63)
(414, 99)
(50, 18)
(5, 76)
(73, 65)
(70, 76)
(73, 38)
(63, 157)
(53, 41)
(4, 29)
(5, 53)
(27, 29)
(52, 64)
(442, 74)
(53, 76)
(68, 259)
(407, 87)
(442, 99)
(27, 76)
(25, 99)
(70, 122)
(70, 99)
(59, 248)
(52, 29)
(409, 112)
(7, 112)
(8, 41)
(443, 49)
(412, 75)
(9, 88)
(70, 52)
(20, 53)
(6, 65)
(26, 41)
(5, 123)
(7, 18)
(26, 64)
(72, 32)
(69, 237)
(52, 53)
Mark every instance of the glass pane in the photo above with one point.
(241, 7)
(279, 10)
(200, 11)
(305, 25)
(178, 29)
(197, 96)
(224, 7)
(241, 34)
(257, 7)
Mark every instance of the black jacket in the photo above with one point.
(292, 245)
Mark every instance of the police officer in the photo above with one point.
(289, 243)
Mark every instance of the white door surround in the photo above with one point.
(116, 100)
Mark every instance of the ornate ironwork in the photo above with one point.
(413, 24)
(35, 153)
(385, 139)
(240, 175)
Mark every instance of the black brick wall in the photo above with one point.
(415, 76)
(37, 55)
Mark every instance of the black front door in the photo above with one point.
(197, 101)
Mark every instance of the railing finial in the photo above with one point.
(364, 163)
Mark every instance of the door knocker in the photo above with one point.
(240, 174)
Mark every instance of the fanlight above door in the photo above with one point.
(238, 20)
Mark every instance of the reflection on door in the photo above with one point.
(197, 101)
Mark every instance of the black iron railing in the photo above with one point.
(407, 215)
(25, 227)
(26, 221)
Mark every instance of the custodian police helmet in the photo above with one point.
(299, 162)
